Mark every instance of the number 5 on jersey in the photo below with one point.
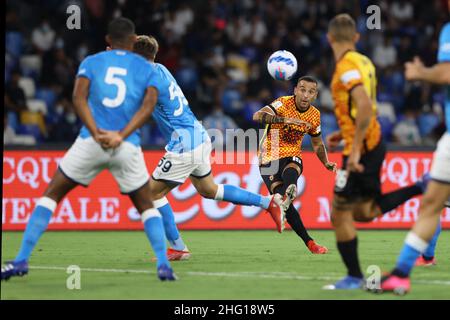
(175, 92)
(112, 78)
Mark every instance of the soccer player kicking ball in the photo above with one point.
(188, 156)
(287, 120)
(425, 230)
(114, 94)
(357, 192)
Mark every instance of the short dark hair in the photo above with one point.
(308, 79)
(146, 46)
(120, 29)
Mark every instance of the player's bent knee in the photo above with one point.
(361, 217)
(428, 205)
(208, 193)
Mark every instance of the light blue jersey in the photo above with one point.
(173, 116)
(118, 82)
(444, 56)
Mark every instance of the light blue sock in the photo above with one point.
(170, 227)
(154, 229)
(36, 226)
(430, 252)
(238, 195)
(412, 249)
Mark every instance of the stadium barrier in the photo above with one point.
(101, 206)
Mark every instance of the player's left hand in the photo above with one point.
(353, 164)
(109, 139)
(331, 166)
(413, 69)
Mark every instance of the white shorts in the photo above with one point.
(86, 159)
(175, 168)
(440, 168)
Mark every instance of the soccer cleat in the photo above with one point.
(166, 273)
(289, 196)
(421, 262)
(276, 212)
(395, 284)
(346, 283)
(316, 248)
(14, 269)
(175, 255)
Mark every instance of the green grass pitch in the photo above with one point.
(225, 265)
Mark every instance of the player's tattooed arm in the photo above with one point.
(321, 152)
(267, 116)
(79, 99)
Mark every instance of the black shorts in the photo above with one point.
(275, 174)
(364, 185)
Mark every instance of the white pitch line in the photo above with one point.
(240, 274)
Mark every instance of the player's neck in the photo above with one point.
(340, 49)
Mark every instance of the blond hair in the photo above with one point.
(146, 46)
(342, 28)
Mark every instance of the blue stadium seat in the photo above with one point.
(31, 129)
(49, 96)
(427, 122)
(187, 78)
(13, 121)
(14, 43)
(386, 127)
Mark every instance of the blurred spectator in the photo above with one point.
(406, 131)
(15, 99)
(385, 55)
(219, 121)
(11, 138)
(217, 51)
(43, 36)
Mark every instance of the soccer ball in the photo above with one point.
(282, 65)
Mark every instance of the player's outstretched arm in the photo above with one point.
(439, 73)
(321, 152)
(79, 99)
(267, 116)
(362, 121)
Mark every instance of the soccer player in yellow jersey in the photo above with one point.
(357, 193)
(287, 120)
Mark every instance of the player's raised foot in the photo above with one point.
(165, 273)
(176, 255)
(289, 196)
(421, 262)
(395, 284)
(316, 248)
(346, 283)
(276, 212)
(14, 269)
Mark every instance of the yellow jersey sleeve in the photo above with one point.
(349, 75)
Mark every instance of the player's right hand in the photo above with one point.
(333, 139)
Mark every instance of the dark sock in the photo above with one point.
(294, 220)
(349, 254)
(392, 200)
(289, 176)
(399, 273)
(427, 258)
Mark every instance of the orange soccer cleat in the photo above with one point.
(276, 212)
(175, 255)
(316, 248)
(421, 262)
